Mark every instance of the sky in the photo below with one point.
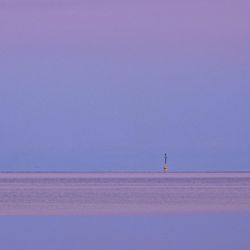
(113, 85)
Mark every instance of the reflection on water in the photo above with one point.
(123, 193)
(168, 232)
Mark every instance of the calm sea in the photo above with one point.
(123, 193)
(125, 211)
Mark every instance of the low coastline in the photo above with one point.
(131, 174)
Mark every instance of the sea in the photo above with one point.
(125, 211)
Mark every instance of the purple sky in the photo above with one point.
(112, 85)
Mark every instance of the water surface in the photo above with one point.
(123, 193)
(168, 232)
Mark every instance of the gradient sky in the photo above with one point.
(113, 85)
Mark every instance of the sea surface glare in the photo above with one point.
(123, 193)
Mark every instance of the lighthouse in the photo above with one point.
(165, 166)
